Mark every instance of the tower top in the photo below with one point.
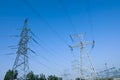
(26, 20)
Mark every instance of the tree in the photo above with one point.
(31, 76)
(59, 78)
(79, 79)
(51, 77)
(42, 77)
(10, 75)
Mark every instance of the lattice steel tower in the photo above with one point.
(86, 69)
(21, 61)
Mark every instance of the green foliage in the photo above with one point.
(10, 75)
(51, 77)
(42, 77)
(31, 76)
(59, 78)
(106, 79)
(79, 79)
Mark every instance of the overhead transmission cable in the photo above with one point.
(46, 22)
(90, 19)
(37, 52)
(67, 14)
(37, 60)
(49, 26)
(40, 63)
(48, 52)
(70, 21)
(6, 54)
(44, 59)
(44, 65)
(40, 55)
(49, 49)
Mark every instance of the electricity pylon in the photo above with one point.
(87, 70)
(21, 61)
(66, 75)
(75, 68)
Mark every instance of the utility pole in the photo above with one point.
(21, 61)
(87, 70)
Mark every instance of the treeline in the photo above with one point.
(12, 75)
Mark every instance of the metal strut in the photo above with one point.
(87, 70)
(21, 61)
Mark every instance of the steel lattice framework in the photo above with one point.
(86, 70)
(21, 61)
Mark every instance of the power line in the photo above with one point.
(48, 52)
(44, 65)
(40, 63)
(67, 14)
(6, 54)
(46, 59)
(50, 68)
(40, 55)
(50, 27)
(46, 22)
(21, 61)
(52, 50)
(90, 19)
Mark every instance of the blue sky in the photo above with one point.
(51, 21)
